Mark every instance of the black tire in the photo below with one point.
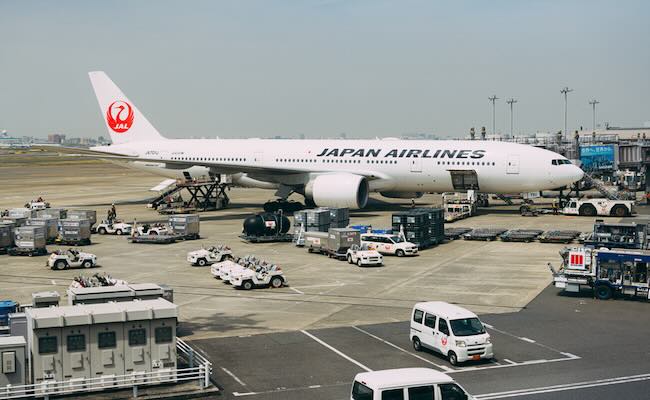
(453, 358)
(87, 264)
(152, 233)
(276, 282)
(60, 265)
(350, 259)
(587, 210)
(400, 253)
(201, 262)
(101, 231)
(118, 232)
(619, 210)
(247, 285)
(524, 209)
(359, 263)
(603, 292)
(417, 345)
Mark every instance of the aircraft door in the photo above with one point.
(258, 157)
(416, 165)
(462, 180)
(513, 164)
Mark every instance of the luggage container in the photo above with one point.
(339, 217)
(21, 213)
(315, 241)
(6, 237)
(50, 225)
(186, 225)
(58, 213)
(318, 217)
(29, 240)
(339, 240)
(14, 221)
(90, 215)
(74, 231)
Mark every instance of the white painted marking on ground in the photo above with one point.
(488, 325)
(233, 376)
(569, 355)
(314, 386)
(53, 282)
(525, 339)
(352, 360)
(237, 394)
(564, 387)
(509, 361)
(444, 368)
(521, 364)
(296, 290)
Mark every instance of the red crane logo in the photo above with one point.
(116, 118)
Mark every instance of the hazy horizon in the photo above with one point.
(321, 68)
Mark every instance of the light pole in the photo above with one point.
(511, 102)
(593, 107)
(565, 91)
(493, 99)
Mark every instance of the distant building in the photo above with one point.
(55, 138)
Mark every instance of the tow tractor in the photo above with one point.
(221, 270)
(607, 272)
(209, 256)
(155, 229)
(362, 256)
(258, 276)
(107, 227)
(71, 258)
(602, 207)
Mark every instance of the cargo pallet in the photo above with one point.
(287, 237)
(521, 235)
(20, 251)
(565, 237)
(154, 239)
(484, 234)
(455, 233)
(73, 242)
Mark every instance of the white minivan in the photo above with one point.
(453, 331)
(389, 244)
(406, 384)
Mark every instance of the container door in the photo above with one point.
(107, 350)
(137, 350)
(76, 352)
(512, 166)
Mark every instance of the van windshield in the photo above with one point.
(396, 239)
(467, 327)
(361, 391)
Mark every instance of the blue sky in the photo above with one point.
(323, 67)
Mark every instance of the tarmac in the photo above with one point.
(269, 343)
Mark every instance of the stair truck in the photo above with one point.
(607, 272)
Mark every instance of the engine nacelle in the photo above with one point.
(338, 190)
(402, 195)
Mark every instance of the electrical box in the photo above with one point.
(45, 299)
(137, 347)
(107, 343)
(163, 337)
(44, 341)
(13, 357)
(75, 343)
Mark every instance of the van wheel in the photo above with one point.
(350, 259)
(399, 253)
(247, 285)
(118, 232)
(102, 231)
(603, 292)
(276, 282)
(619, 210)
(359, 263)
(87, 264)
(587, 210)
(201, 262)
(417, 345)
(453, 358)
(60, 265)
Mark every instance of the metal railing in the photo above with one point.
(199, 369)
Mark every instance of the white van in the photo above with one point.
(406, 384)
(453, 331)
(389, 244)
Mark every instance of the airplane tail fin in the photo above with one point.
(125, 123)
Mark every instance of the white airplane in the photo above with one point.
(336, 173)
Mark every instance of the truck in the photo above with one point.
(71, 258)
(601, 207)
(606, 272)
(363, 256)
(209, 256)
(335, 242)
(459, 205)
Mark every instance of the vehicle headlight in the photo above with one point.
(487, 340)
(460, 343)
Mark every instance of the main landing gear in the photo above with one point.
(287, 206)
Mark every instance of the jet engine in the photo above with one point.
(338, 190)
(402, 195)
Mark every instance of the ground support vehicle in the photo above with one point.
(617, 235)
(281, 237)
(485, 234)
(455, 212)
(565, 237)
(37, 205)
(607, 272)
(153, 239)
(209, 256)
(113, 228)
(602, 207)
(223, 268)
(521, 235)
(155, 229)
(453, 331)
(71, 258)
(261, 276)
(363, 256)
(391, 244)
(417, 383)
(25, 251)
(455, 233)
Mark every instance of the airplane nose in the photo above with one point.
(576, 173)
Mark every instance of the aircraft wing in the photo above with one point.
(222, 167)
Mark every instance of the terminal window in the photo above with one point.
(137, 337)
(76, 342)
(164, 334)
(47, 345)
(106, 340)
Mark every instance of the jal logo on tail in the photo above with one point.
(119, 116)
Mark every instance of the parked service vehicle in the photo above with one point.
(607, 272)
(249, 278)
(155, 229)
(604, 207)
(406, 383)
(113, 228)
(37, 205)
(453, 331)
(386, 243)
(71, 259)
(363, 256)
(221, 270)
(209, 256)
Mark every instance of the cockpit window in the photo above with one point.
(560, 162)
